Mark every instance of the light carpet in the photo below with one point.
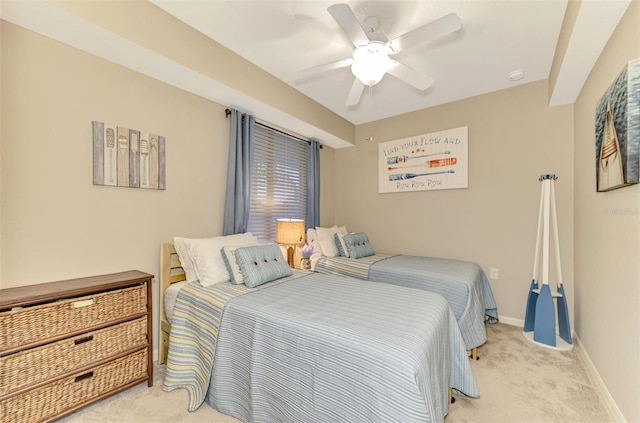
(519, 382)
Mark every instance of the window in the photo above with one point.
(278, 182)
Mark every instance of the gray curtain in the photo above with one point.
(236, 208)
(313, 184)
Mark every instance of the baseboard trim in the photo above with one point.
(520, 323)
(593, 374)
(511, 321)
(610, 403)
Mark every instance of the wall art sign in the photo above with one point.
(126, 157)
(424, 162)
(618, 131)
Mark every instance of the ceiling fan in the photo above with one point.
(371, 56)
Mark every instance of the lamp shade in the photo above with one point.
(290, 231)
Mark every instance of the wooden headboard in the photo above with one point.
(171, 271)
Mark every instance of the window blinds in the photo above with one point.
(278, 181)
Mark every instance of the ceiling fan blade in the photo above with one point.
(356, 92)
(410, 76)
(347, 20)
(315, 70)
(437, 28)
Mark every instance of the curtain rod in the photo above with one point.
(227, 113)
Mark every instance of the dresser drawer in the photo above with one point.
(55, 359)
(55, 398)
(46, 321)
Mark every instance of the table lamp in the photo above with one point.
(290, 232)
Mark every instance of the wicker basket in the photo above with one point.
(46, 321)
(55, 398)
(68, 354)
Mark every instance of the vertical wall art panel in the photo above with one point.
(127, 157)
(134, 158)
(618, 131)
(123, 157)
(144, 160)
(110, 155)
(98, 153)
(161, 161)
(153, 161)
(424, 162)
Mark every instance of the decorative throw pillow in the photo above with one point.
(229, 257)
(261, 264)
(327, 241)
(206, 256)
(358, 245)
(342, 247)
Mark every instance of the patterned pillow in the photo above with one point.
(261, 264)
(358, 245)
(229, 256)
(342, 247)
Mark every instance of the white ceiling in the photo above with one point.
(285, 36)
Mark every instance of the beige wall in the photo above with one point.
(607, 239)
(55, 223)
(513, 139)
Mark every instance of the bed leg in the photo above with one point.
(451, 398)
(474, 354)
(163, 347)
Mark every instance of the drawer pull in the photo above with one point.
(84, 376)
(83, 340)
(83, 303)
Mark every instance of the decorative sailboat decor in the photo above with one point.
(618, 131)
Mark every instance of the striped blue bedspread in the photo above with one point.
(464, 284)
(321, 348)
(345, 266)
(196, 319)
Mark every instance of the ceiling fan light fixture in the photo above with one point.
(371, 62)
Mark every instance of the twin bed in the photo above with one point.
(311, 347)
(462, 283)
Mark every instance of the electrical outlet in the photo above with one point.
(494, 273)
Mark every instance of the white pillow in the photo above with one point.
(182, 248)
(312, 236)
(327, 240)
(207, 258)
